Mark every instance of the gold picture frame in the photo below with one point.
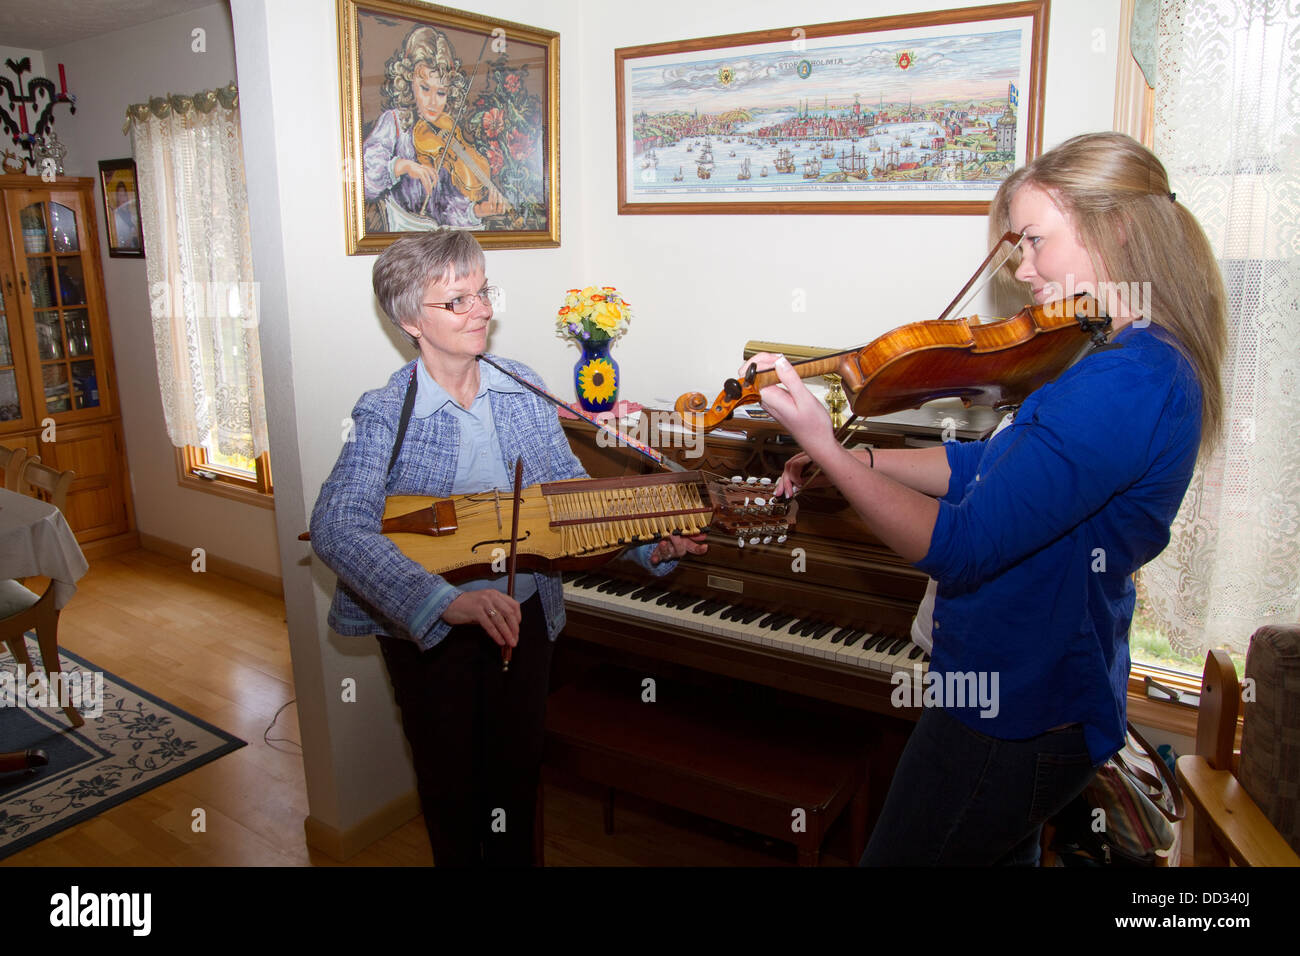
(451, 120)
(910, 114)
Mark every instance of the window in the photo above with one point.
(203, 299)
(244, 479)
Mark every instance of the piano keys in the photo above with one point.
(882, 652)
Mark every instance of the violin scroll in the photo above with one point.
(698, 412)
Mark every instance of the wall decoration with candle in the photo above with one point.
(38, 147)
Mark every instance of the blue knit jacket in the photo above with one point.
(382, 591)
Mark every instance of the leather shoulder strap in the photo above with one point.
(408, 406)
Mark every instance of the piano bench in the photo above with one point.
(786, 775)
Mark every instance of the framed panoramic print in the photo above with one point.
(121, 208)
(920, 113)
(450, 121)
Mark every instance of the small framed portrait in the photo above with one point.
(121, 208)
(450, 121)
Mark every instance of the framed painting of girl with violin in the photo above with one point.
(450, 121)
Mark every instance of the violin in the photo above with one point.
(577, 524)
(440, 145)
(994, 364)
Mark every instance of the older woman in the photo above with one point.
(449, 424)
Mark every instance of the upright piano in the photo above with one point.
(812, 628)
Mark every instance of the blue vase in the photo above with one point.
(595, 377)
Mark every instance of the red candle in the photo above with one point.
(22, 115)
(63, 82)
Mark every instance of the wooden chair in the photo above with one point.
(35, 476)
(11, 463)
(21, 609)
(1246, 806)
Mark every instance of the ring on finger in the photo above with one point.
(492, 612)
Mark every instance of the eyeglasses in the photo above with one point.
(463, 303)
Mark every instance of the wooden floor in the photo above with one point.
(219, 649)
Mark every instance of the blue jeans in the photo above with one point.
(962, 798)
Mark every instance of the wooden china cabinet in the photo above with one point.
(57, 382)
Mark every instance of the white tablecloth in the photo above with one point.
(35, 539)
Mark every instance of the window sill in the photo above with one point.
(1150, 711)
(222, 489)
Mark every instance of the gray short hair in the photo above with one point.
(405, 269)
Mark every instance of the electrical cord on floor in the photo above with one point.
(271, 741)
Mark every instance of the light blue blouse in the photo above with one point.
(480, 465)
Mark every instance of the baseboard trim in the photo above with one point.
(251, 576)
(105, 547)
(342, 845)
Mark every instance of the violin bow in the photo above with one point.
(514, 550)
(659, 458)
(1015, 238)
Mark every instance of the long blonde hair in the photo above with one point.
(1115, 193)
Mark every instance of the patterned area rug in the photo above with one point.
(131, 742)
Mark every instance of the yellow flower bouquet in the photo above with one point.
(593, 315)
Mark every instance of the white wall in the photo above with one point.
(161, 61)
(327, 342)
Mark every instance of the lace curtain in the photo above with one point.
(1226, 125)
(194, 215)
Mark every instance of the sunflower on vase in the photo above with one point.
(594, 317)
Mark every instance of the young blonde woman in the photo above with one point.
(1034, 534)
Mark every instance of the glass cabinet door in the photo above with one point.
(56, 279)
(11, 400)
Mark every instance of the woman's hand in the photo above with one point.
(791, 480)
(802, 414)
(419, 171)
(491, 610)
(676, 546)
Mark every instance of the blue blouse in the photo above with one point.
(1040, 532)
